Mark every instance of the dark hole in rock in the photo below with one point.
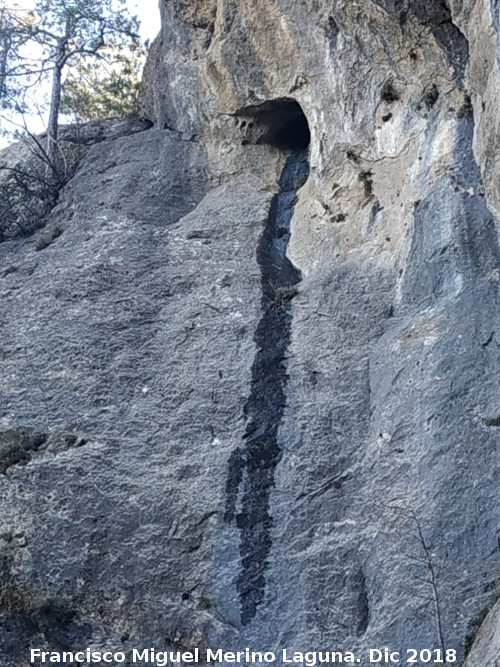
(333, 27)
(280, 123)
(431, 96)
(389, 93)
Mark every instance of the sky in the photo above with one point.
(146, 10)
(149, 16)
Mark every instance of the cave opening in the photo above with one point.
(280, 123)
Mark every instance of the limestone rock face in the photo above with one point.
(23, 210)
(486, 650)
(250, 392)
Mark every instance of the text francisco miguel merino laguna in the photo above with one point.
(164, 658)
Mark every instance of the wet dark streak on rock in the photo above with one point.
(253, 464)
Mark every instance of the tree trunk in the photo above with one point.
(5, 44)
(3, 55)
(55, 104)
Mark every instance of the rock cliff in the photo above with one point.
(250, 392)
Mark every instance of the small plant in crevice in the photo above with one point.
(492, 421)
(431, 96)
(204, 603)
(282, 295)
(366, 178)
(466, 110)
(16, 446)
(351, 155)
(389, 93)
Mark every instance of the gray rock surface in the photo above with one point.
(25, 198)
(486, 650)
(249, 393)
